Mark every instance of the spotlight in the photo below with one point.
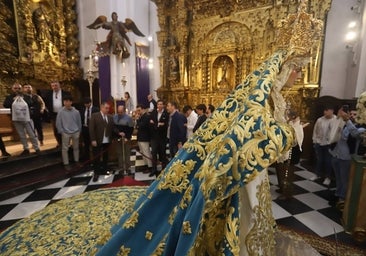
(352, 24)
(351, 36)
(151, 63)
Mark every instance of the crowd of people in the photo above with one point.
(90, 130)
(335, 139)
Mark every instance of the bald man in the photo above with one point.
(124, 128)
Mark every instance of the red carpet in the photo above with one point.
(126, 181)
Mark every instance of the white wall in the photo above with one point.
(361, 78)
(341, 65)
(154, 50)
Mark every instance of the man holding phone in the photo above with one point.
(341, 154)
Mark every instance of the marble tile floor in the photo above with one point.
(308, 211)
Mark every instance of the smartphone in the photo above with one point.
(345, 108)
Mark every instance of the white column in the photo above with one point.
(361, 79)
(154, 49)
(138, 11)
(336, 56)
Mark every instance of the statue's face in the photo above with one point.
(294, 75)
(114, 16)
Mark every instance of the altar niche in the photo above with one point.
(223, 74)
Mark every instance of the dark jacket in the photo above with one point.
(48, 100)
(35, 109)
(97, 126)
(159, 132)
(178, 129)
(143, 128)
(200, 121)
(82, 113)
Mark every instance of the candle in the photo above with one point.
(90, 63)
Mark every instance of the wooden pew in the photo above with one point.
(6, 125)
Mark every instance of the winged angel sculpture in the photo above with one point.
(117, 37)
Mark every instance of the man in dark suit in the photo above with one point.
(144, 135)
(159, 121)
(100, 129)
(54, 101)
(177, 130)
(85, 112)
(201, 112)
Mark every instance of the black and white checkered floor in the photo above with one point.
(308, 211)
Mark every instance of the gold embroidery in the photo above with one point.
(177, 178)
(187, 197)
(260, 240)
(160, 248)
(212, 233)
(150, 195)
(124, 251)
(193, 146)
(148, 235)
(76, 221)
(187, 228)
(172, 215)
(231, 230)
(132, 220)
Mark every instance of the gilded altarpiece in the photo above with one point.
(210, 46)
(38, 43)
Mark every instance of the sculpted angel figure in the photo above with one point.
(117, 37)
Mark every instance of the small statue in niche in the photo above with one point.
(40, 22)
(43, 31)
(117, 36)
(173, 64)
(223, 72)
(223, 82)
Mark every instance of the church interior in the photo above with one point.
(188, 52)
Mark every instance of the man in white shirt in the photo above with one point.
(152, 103)
(322, 143)
(54, 103)
(191, 119)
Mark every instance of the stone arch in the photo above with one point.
(229, 36)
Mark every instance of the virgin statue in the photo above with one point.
(213, 197)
